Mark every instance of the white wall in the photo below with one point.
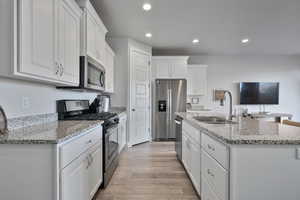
(42, 98)
(225, 72)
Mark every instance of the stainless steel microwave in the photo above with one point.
(95, 75)
(92, 76)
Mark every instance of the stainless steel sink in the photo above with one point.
(213, 120)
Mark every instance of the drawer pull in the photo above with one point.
(211, 147)
(210, 173)
(89, 142)
(89, 162)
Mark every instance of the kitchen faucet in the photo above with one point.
(221, 96)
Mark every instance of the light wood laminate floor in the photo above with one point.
(149, 171)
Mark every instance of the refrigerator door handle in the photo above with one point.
(168, 113)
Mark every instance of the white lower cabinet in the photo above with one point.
(196, 166)
(207, 192)
(74, 182)
(81, 178)
(95, 171)
(122, 131)
(191, 156)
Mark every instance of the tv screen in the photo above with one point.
(259, 93)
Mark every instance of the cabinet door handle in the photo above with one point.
(210, 173)
(57, 68)
(211, 147)
(89, 141)
(61, 70)
(88, 159)
(92, 159)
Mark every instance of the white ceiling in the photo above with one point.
(272, 25)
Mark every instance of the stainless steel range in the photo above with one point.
(81, 110)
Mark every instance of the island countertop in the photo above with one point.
(48, 133)
(247, 131)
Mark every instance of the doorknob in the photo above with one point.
(133, 110)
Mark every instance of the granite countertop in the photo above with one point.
(247, 131)
(117, 110)
(48, 133)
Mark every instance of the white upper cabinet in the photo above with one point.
(69, 41)
(93, 33)
(37, 53)
(45, 38)
(197, 80)
(173, 67)
(109, 69)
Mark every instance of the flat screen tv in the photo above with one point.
(257, 93)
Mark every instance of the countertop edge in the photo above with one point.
(227, 141)
(51, 141)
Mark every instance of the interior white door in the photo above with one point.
(140, 97)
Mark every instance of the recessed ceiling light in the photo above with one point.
(147, 6)
(148, 35)
(245, 40)
(195, 41)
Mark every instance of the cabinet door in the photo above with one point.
(124, 132)
(91, 35)
(95, 171)
(37, 38)
(179, 70)
(69, 39)
(185, 152)
(109, 70)
(120, 135)
(163, 69)
(196, 165)
(197, 80)
(100, 45)
(74, 180)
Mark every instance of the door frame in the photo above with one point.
(130, 75)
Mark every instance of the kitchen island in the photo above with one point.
(245, 160)
(58, 160)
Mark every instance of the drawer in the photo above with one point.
(215, 175)
(191, 132)
(72, 149)
(216, 149)
(207, 192)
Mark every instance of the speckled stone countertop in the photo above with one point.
(117, 110)
(48, 133)
(247, 131)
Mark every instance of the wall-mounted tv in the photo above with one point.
(259, 93)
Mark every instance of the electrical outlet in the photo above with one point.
(25, 103)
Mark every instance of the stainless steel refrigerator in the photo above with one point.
(170, 97)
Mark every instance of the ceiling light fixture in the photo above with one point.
(245, 40)
(196, 41)
(147, 6)
(148, 35)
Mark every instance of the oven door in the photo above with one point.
(111, 145)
